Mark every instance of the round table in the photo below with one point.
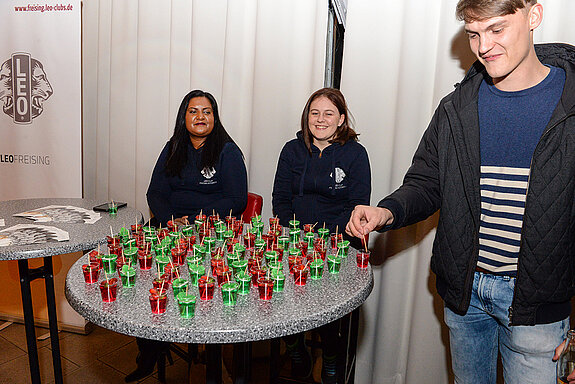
(296, 309)
(82, 237)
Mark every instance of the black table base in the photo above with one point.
(27, 275)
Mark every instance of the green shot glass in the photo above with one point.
(179, 285)
(279, 280)
(210, 244)
(131, 253)
(220, 233)
(149, 231)
(129, 243)
(196, 271)
(333, 264)
(256, 219)
(244, 280)
(161, 262)
(188, 230)
(128, 275)
(161, 250)
(199, 251)
(239, 265)
(109, 263)
(228, 234)
(294, 236)
(230, 292)
(316, 269)
(240, 250)
(231, 257)
(308, 238)
(198, 224)
(271, 256)
(187, 304)
(294, 224)
(259, 227)
(260, 244)
(283, 242)
(275, 266)
(323, 233)
(342, 248)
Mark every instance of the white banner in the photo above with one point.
(40, 95)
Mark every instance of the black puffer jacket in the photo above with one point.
(445, 175)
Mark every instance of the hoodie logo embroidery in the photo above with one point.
(208, 173)
(339, 175)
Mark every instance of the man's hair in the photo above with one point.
(478, 10)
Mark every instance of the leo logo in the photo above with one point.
(24, 87)
(208, 172)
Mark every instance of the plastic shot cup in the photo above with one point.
(216, 263)
(158, 301)
(196, 271)
(300, 273)
(294, 235)
(274, 221)
(333, 264)
(279, 280)
(323, 233)
(161, 262)
(308, 238)
(231, 258)
(307, 228)
(240, 250)
(283, 242)
(275, 266)
(131, 253)
(179, 285)
(187, 304)
(320, 250)
(145, 261)
(128, 276)
(199, 251)
(230, 292)
(279, 251)
(239, 265)
(223, 274)
(179, 255)
(206, 287)
(210, 243)
(334, 241)
(96, 258)
(316, 269)
(271, 256)
(109, 289)
(294, 260)
(244, 282)
(342, 248)
(257, 274)
(265, 288)
(91, 272)
(161, 284)
(109, 263)
(362, 258)
(294, 224)
(249, 239)
(220, 233)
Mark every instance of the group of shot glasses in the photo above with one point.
(225, 253)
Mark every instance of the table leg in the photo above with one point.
(52, 318)
(348, 347)
(213, 363)
(274, 360)
(242, 357)
(29, 320)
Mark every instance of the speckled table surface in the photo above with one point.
(296, 309)
(82, 236)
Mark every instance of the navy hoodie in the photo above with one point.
(220, 189)
(323, 187)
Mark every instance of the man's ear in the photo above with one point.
(535, 16)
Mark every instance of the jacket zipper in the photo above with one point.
(526, 195)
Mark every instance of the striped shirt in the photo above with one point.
(511, 124)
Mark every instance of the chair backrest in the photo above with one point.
(253, 207)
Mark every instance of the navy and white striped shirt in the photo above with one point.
(511, 124)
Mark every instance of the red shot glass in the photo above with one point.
(300, 273)
(145, 261)
(362, 258)
(91, 272)
(158, 301)
(109, 289)
(179, 255)
(265, 288)
(206, 287)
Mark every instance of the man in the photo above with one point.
(498, 160)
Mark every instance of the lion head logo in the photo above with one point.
(34, 75)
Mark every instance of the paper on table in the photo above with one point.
(23, 234)
(61, 214)
(2, 223)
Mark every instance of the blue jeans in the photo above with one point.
(478, 336)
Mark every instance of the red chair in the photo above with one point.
(253, 207)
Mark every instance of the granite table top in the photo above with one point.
(296, 309)
(82, 236)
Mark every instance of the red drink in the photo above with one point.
(113, 241)
(206, 287)
(320, 250)
(363, 258)
(158, 301)
(91, 272)
(333, 240)
(307, 228)
(223, 274)
(179, 255)
(257, 273)
(266, 288)
(161, 285)
(293, 261)
(109, 289)
(269, 239)
(300, 274)
(145, 261)
(217, 263)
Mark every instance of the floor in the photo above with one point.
(106, 357)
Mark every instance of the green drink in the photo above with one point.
(271, 256)
(294, 224)
(279, 280)
(240, 250)
(294, 236)
(308, 237)
(131, 253)
(129, 243)
(228, 234)
(209, 243)
(333, 264)
(128, 275)
(198, 224)
(161, 262)
(283, 242)
(109, 263)
(149, 231)
(275, 266)
(342, 248)
(260, 244)
(188, 230)
(244, 280)
(239, 265)
(316, 269)
(179, 285)
(199, 251)
(259, 227)
(187, 303)
(323, 233)
(220, 233)
(232, 257)
(196, 271)
(256, 219)
(230, 292)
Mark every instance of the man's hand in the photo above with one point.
(365, 219)
(181, 221)
(558, 351)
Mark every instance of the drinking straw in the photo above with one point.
(112, 233)
(313, 226)
(107, 284)
(364, 243)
